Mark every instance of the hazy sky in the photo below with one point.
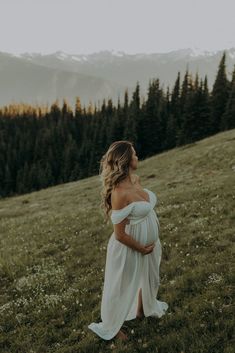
(132, 26)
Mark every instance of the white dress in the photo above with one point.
(127, 270)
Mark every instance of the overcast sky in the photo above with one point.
(132, 26)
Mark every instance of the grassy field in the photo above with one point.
(52, 257)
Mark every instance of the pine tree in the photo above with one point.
(152, 138)
(78, 107)
(186, 103)
(219, 96)
(55, 111)
(130, 130)
(164, 110)
(203, 109)
(228, 118)
(174, 119)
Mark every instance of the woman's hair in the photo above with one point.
(114, 167)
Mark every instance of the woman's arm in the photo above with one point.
(119, 200)
(120, 235)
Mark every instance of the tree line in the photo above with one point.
(44, 146)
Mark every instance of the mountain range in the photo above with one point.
(36, 78)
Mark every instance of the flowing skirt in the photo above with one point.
(126, 271)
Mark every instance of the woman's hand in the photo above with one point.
(147, 249)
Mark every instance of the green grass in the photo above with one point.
(52, 257)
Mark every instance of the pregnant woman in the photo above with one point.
(134, 249)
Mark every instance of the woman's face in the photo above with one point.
(134, 160)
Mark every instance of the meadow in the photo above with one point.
(52, 257)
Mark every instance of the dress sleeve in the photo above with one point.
(117, 216)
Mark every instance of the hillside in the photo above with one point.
(53, 247)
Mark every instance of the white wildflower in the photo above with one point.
(214, 278)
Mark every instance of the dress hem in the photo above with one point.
(95, 328)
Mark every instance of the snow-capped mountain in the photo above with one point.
(42, 78)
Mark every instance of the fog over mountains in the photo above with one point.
(41, 79)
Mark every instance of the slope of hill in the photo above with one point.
(53, 248)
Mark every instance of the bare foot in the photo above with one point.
(140, 315)
(121, 335)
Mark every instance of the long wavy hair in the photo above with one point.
(114, 167)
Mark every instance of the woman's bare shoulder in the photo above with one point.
(119, 197)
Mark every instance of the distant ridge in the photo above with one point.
(43, 78)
